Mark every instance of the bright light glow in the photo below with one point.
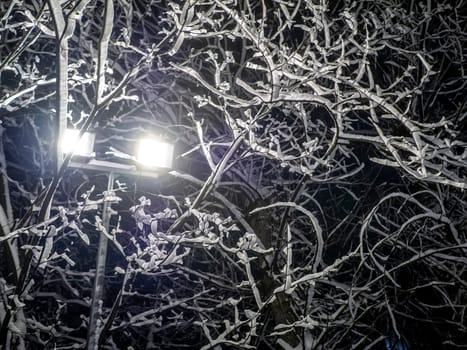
(81, 147)
(154, 153)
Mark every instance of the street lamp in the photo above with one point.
(153, 155)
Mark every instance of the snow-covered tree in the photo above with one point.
(317, 200)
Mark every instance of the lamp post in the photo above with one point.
(152, 155)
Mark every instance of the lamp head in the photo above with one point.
(154, 153)
(83, 146)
